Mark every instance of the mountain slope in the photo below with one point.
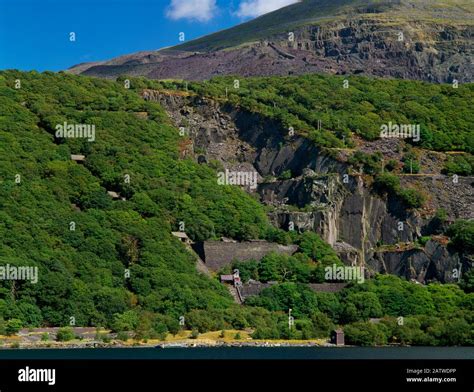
(336, 131)
(310, 12)
(60, 218)
(337, 37)
(111, 260)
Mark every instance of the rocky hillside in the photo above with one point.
(425, 40)
(324, 193)
(94, 211)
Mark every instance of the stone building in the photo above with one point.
(218, 254)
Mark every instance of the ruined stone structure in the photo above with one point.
(252, 287)
(218, 254)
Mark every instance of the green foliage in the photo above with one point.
(468, 281)
(446, 298)
(123, 336)
(204, 321)
(322, 325)
(314, 247)
(462, 165)
(412, 313)
(398, 297)
(444, 115)
(423, 240)
(412, 198)
(286, 175)
(391, 165)
(305, 266)
(81, 272)
(411, 163)
(13, 326)
(364, 333)
(390, 184)
(387, 183)
(461, 233)
(65, 334)
(361, 306)
(368, 163)
(127, 321)
(286, 296)
(441, 215)
(284, 268)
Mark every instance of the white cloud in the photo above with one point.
(253, 8)
(200, 10)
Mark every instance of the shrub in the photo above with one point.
(123, 336)
(286, 175)
(322, 325)
(13, 326)
(65, 334)
(423, 240)
(411, 164)
(441, 215)
(412, 198)
(365, 334)
(387, 183)
(461, 233)
(370, 163)
(391, 165)
(462, 165)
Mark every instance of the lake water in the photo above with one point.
(245, 353)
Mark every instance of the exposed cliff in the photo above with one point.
(324, 193)
(430, 41)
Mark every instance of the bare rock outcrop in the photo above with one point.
(323, 194)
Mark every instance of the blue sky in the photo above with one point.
(35, 34)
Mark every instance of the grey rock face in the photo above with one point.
(430, 51)
(433, 263)
(322, 196)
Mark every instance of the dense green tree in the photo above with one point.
(322, 325)
(364, 333)
(65, 334)
(13, 326)
(468, 281)
(120, 266)
(127, 321)
(461, 233)
(365, 304)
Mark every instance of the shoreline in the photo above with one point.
(91, 338)
(159, 344)
(104, 339)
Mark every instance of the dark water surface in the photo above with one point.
(336, 353)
